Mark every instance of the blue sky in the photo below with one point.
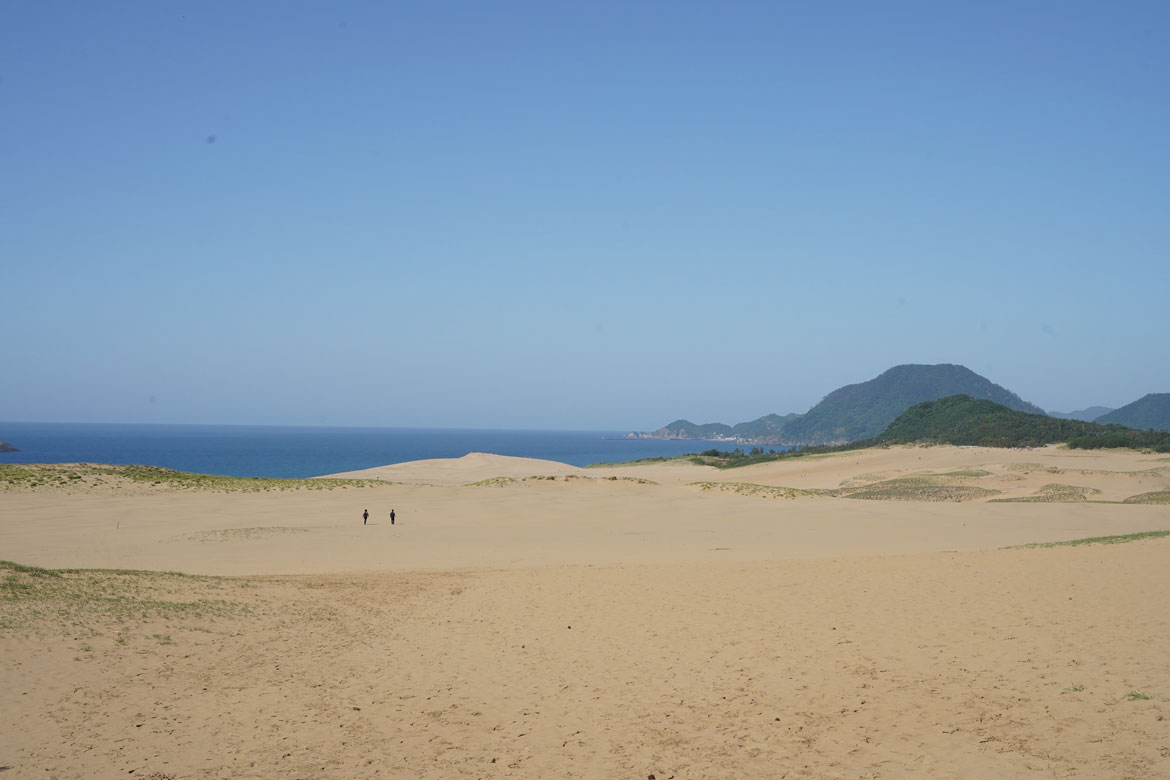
(574, 215)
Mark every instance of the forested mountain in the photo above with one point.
(960, 419)
(853, 412)
(685, 429)
(767, 428)
(863, 410)
(963, 420)
(1150, 411)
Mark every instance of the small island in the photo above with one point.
(6, 447)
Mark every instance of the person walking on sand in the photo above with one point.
(391, 517)
(365, 516)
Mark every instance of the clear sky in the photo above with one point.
(582, 215)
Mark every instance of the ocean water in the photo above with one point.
(272, 451)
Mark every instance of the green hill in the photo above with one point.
(966, 421)
(769, 428)
(853, 412)
(962, 420)
(1146, 413)
(862, 411)
(685, 429)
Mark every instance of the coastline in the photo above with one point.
(301, 452)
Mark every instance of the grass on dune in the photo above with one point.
(1156, 497)
(640, 462)
(81, 476)
(752, 489)
(1054, 493)
(506, 481)
(1118, 539)
(926, 488)
(92, 612)
(737, 458)
(32, 596)
(935, 487)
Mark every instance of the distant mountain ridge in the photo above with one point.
(858, 411)
(1148, 412)
(863, 410)
(770, 425)
(685, 429)
(1088, 415)
(766, 429)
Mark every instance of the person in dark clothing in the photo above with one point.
(391, 517)
(365, 516)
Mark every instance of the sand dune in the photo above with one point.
(472, 467)
(597, 623)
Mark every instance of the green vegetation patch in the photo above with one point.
(936, 487)
(737, 458)
(1156, 497)
(495, 482)
(752, 489)
(1054, 494)
(1096, 540)
(925, 488)
(28, 476)
(232, 534)
(506, 481)
(642, 462)
(30, 595)
(1027, 468)
(67, 476)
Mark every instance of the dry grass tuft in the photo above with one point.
(1055, 493)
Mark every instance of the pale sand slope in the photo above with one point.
(1016, 472)
(473, 467)
(698, 618)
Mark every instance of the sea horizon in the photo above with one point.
(298, 451)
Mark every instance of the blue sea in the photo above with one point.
(273, 451)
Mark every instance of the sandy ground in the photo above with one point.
(597, 623)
